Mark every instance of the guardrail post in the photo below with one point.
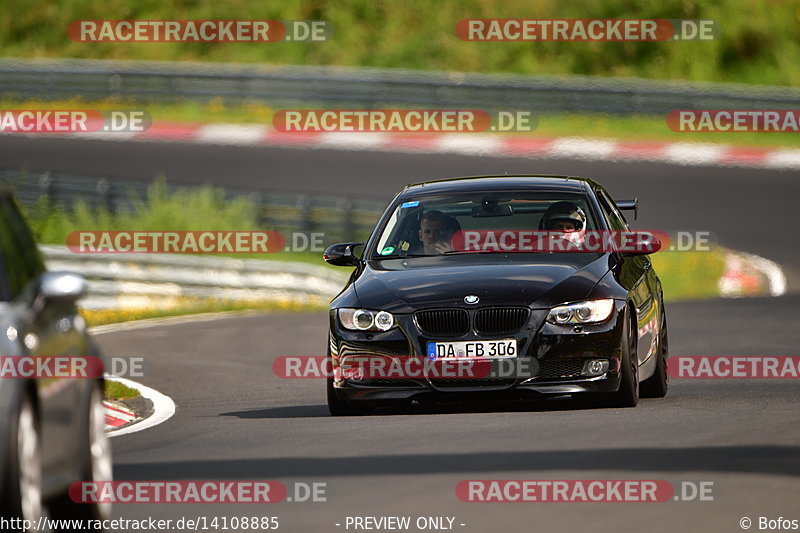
(48, 188)
(348, 227)
(115, 85)
(263, 214)
(304, 203)
(105, 196)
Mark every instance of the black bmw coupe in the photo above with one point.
(466, 289)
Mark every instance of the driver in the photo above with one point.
(564, 217)
(435, 231)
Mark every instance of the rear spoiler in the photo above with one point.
(629, 205)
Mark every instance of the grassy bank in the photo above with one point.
(113, 316)
(115, 391)
(689, 275)
(759, 41)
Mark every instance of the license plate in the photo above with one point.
(496, 349)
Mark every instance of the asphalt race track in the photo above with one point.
(237, 421)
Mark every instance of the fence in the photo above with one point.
(329, 86)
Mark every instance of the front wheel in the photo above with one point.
(339, 407)
(22, 487)
(657, 385)
(628, 393)
(96, 465)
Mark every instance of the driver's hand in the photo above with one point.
(442, 247)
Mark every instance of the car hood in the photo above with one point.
(540, 280)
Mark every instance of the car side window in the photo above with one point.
(21, 261)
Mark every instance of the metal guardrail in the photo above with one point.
(340, 218)
(339, 86)
(129, 281)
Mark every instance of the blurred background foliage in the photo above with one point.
(759, 42)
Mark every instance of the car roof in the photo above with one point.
(541, 183)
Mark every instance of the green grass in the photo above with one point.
(189, 307)
(689, 275)
(117, 391)
(759, 41)
(203, 208)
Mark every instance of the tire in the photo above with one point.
(657, 385)
(628, 393)
(338, 407)
(22, 487)
(96, 464)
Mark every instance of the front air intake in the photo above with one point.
(443, 322)
(500, 320)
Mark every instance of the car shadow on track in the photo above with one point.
(774, 460)
(293, 411)
(321, 411)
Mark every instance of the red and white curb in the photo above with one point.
(118, 420)
(750, 275)
(475, 144)
(117, 416)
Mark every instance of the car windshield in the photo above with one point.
(439, 225)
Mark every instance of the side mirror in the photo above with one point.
(650, 245)
(342, 254)
(62, 287)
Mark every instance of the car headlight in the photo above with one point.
(589, 312)
(366, 320)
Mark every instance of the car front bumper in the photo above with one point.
(551, 361)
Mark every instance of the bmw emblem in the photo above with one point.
(471, 299)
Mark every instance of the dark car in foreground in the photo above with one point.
(525, 323)
(52, 426)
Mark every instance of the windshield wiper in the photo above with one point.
(455, 252)
(399, 256)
